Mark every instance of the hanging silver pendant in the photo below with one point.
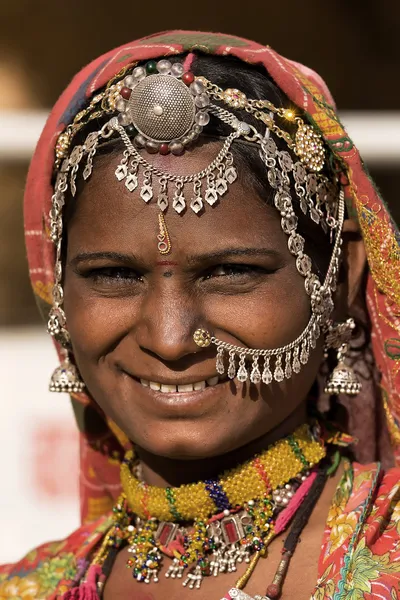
(121, 172)
(255, 376)
(242, 374)
(232, 366)
(278, 373)
(220, 367)
(179, 203)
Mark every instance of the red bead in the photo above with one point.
(188, 78)
(164, 149)
(273, 591)
(126, 93)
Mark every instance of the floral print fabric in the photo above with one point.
(52, 569)
(360, 558)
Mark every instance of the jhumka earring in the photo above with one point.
(66, 378)
(343, 379)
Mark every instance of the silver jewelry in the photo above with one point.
(280, 363)
(66, 378)
(343, 379)
(228, 539)
(236, 594)
(339, 334)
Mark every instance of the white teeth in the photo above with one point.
(185, 388)
(200, 385)
(168, 388)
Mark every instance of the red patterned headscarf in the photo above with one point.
(100, 452)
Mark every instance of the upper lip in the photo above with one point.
(177, 381)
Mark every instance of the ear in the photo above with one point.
(354, 259)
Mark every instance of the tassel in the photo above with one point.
(88, 589)
(287, 514)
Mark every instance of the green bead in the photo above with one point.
(151, 67)
(131, 130)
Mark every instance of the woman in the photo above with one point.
(210, 220)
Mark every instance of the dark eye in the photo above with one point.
(234, 270)
(116, 275)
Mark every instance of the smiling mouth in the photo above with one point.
(197, 386)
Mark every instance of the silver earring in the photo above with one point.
(343, 379)
(66, 378)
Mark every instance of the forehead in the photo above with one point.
(106, 213)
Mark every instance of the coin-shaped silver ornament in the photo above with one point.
(162, 108)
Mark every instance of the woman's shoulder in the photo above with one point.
(51, 566)
(374, 489)
(360, 555)
(369, 498)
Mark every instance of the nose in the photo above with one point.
(167, 321)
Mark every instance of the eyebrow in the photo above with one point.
(93, 256)
(234, 252)
(191, 259)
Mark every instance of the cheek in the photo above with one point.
(272, 316)
(95, 323)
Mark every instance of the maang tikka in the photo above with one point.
(160, 108)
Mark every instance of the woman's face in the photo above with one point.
(132, 312)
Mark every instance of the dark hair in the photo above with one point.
(255, 82)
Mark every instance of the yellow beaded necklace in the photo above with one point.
(252, 480)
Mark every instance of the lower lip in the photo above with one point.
(182, 402)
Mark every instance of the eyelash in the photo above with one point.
(107, 274)
(237, 270)
(113, 274)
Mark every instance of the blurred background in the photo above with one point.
(353, 45)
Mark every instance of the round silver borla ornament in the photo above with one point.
(162, 108)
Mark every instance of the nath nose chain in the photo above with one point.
(160, 108)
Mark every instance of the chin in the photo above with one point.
(185, 441)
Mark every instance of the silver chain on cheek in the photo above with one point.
(281, 363)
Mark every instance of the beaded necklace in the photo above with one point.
(210, 526)
(267, 471)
